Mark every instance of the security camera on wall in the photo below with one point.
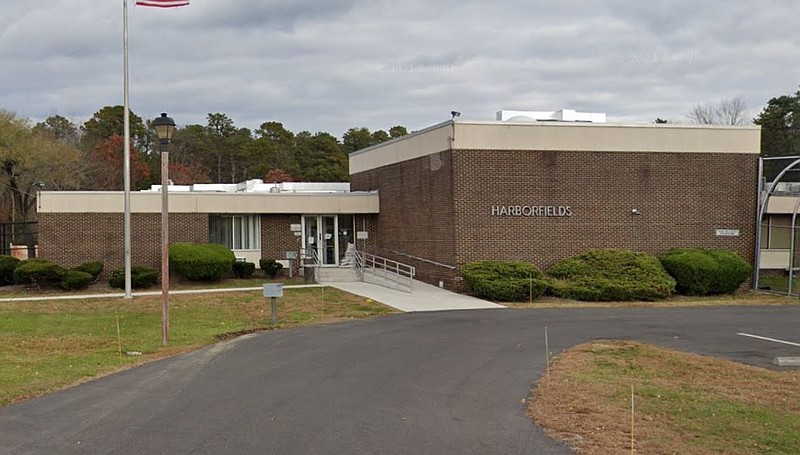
(635, 212)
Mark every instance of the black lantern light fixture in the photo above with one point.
(164, 127)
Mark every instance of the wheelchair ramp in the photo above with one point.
(423, 297)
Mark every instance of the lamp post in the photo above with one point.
(164, 127)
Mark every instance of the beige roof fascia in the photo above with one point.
(185, 202)
(560, 136)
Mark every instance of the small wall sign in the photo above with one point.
(728, 232)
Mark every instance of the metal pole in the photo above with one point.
(791, 246)
(757, 255)
(126, 155)
(164, 244)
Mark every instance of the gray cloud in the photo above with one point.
(343, 63)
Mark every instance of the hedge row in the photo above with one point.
(611, 275)
(193, 261)
(43, 273)
(605, 275)
(506, 281)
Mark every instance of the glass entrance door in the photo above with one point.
(328, 246)
(319, 236)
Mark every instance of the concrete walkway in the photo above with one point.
(424, 297)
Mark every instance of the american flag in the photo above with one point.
(162, 3)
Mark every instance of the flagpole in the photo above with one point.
(126, 153)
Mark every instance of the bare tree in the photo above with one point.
(727, 112)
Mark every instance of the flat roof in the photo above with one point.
(467, 135)
(209, 202)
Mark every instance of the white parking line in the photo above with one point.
(768, 339)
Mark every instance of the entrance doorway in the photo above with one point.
(328, 236)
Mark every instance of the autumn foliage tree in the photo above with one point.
(105, 170)
(278, 176)
(187, 174)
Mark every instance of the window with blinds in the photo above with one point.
(237, 232)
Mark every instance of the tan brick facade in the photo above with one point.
(70, 239)
(277, 237)
(417, 214)
(439, 207)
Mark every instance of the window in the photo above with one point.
(237, 232)
(778, 229)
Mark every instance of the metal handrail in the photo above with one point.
(310, 253)
(388, 269)
(421, 259)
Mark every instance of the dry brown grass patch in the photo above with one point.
(685, 403)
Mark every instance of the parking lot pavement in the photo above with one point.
(415, 383)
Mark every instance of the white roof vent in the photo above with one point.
(563, 115)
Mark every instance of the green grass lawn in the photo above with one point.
(48, 345)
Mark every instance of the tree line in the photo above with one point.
(57, 154)
(780, 128)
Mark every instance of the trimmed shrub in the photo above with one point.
(692, 269)
(94, 268)
(505, 281)
(75, 279)
(201, 261)
(39, 272)
(141, 278)
(610, 274)
(271, 267)
(7, 266)
(700, 271)
(243, 269)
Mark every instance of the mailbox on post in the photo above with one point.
(273, 291)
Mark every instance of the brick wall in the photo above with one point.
(445, 214)
(277, 237)
(682, 197)
(70, 239)
(416, 213)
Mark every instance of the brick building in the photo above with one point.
(254, 219)
(462, 191)
(454, 193)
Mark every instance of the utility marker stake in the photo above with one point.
(530, 290)
(119, 339)
(633, 407)
(547, 355)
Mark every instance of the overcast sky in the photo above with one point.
(328, 65)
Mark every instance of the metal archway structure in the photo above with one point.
(762, 206)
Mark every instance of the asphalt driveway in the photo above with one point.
(423, 383)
